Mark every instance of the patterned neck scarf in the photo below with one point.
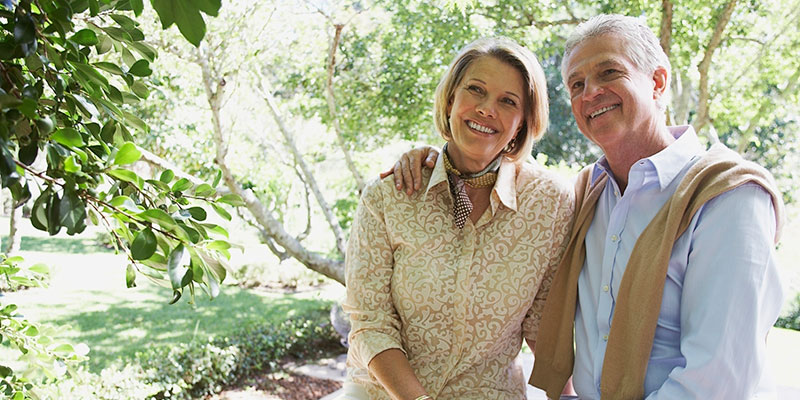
(485, 178)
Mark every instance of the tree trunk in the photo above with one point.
(329, 95)
(702, 118)
(12, 246)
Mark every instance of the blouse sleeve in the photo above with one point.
(561, 227)
(375, 324)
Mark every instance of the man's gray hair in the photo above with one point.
(641, 44)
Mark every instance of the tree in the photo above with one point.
(69, 71)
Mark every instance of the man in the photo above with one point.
(670, 283)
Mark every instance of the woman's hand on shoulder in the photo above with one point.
(408, 170)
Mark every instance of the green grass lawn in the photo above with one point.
(88, 300)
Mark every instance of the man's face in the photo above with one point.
(612, 100)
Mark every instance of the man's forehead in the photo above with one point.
(600, 55)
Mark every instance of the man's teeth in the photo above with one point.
(602, 110)
(479, 128)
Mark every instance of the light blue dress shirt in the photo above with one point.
(722, 292)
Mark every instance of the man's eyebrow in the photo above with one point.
(602, 64)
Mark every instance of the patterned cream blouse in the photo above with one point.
(458, 302)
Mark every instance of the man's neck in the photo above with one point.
(622, 157)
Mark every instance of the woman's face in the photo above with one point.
(485, 113)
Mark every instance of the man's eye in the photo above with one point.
(576, 85)
(610, 71)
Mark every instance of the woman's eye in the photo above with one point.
(510, 102)
(475, 89)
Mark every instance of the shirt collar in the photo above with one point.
(505, 188)
(668, 163)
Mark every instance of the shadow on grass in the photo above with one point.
(59, 245)
(114, 326)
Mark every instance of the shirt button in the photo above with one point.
(616, 193)
(605, 288)
(605, 338)
(614, 238)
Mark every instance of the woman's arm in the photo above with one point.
(375, 341)
(394, 372)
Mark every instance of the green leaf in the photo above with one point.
(176, 265)
(232, 199)
(221, 211)
(218, 245)
(144, 245)
(40, 268)
(32, 331)
(185, 14)
(109, 67)
(72, 212)
(204, 190)
(125, 203)
(145, 50)
(64, 349)
(210, 7)
(176, 295)
(90, 73)
(85, 37)
(137, 6)
(166, 176)
(68, 137)
(70, 165)
(198, 213)
(141, 68)
(127, 176)
(165, 11)
(130, 276)
(181, 185)
(127, 154)
(217, 178)
(159, 217)
(135, 121)
(140, 89)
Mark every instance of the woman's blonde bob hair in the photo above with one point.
(535, 106)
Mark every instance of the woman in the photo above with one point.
(443, 285)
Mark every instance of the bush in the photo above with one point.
(791, 320)
(188, 370)
(198, 369)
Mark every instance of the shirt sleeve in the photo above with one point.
(375, 324)
(561, 228)
(731, 297)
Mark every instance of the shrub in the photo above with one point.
(198, 369)
(791, 320)
(188, 370)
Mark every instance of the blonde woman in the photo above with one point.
(443, 285)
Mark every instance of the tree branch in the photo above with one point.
(665, 35)
(273, 228)
(329, 95)
(311, 181)
(701, 119)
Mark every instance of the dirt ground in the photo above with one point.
(282, 385)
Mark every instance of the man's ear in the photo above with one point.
(660, 82)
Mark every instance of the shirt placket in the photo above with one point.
(461, 300)
(613, 264)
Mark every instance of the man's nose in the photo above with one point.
(592, 89)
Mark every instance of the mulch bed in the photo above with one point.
(290, 386)
(280, 385)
